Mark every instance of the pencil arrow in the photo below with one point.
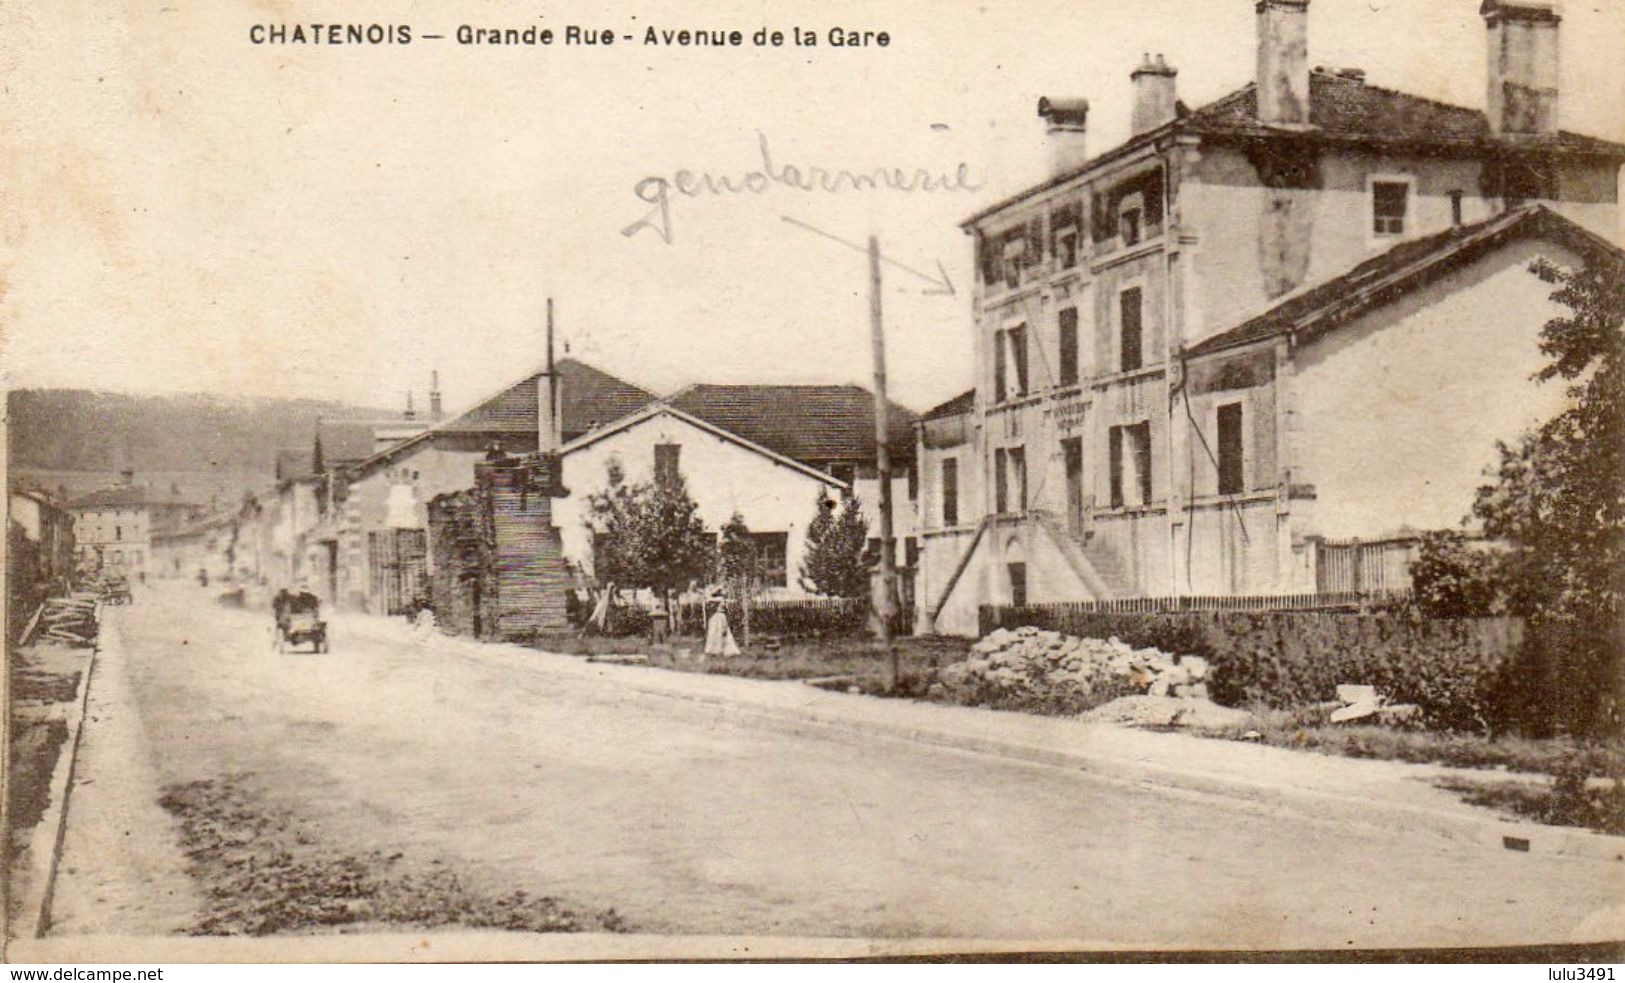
(941, 285)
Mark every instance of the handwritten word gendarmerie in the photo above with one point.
(656, 191)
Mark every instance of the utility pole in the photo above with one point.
(547, 436)
(888, 552)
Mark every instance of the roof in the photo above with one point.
(814, 424)
(665, 409)
(129, 496)
(588, 397)
(1344, 110)
(964, 403)
(346, 441)
(1399, 270)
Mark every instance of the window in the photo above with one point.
(1072, 455)
(1389, 200)
(1130, 464)
(772, 558)
(1129, 315)
(1066, 247)
(911, 552)
(1455, 207)
(118, 533)
(1018, 474)
(913, 483)
(950, 492)
(1001, 388)
(1129, 214)
(1018, 355)
(1014, 249)
(666, 467)
(1231, 480)
(1001, 481)
(1069, 346)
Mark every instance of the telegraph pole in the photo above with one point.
(888, 552)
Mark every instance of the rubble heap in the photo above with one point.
(1038, 662)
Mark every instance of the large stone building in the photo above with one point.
(1227, 356)
(113, 526)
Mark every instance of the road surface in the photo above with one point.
(687, 817)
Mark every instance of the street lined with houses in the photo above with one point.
(693, 811)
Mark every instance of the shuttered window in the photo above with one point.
(1069, 346)
(1232, 476)
(1129, 329)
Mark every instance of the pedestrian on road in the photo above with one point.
(719, 638)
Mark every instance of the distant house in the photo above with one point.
(113, 526)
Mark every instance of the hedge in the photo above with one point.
(812, 618)
(1456, 670)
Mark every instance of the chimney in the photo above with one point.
(1154, 94)
(435, 412)
(1283, 62)
(1067, 125)
(547, 430)
(411, 411)
(1523, 66)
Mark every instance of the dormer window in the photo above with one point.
(1390, 202)
(1130, 215)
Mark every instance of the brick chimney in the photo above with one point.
(435, 411)
(1154, 94)
(1283, 62)
(1067, 127)
(1523, 66)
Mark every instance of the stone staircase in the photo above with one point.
(1107, 564)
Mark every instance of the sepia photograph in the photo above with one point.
(625, 481)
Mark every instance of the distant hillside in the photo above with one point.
(210, 446)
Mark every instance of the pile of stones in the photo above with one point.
(1038, 662)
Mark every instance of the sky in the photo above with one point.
(187, 211)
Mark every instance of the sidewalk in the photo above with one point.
(1387, 794)
(121, 868)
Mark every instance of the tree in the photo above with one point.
(612, 518)
(833, 564)
(673, 546)
(1451, 579)
(649, 535)
(1559, 501)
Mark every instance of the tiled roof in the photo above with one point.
(964, 403)
(1351, 109)
(588, 397)
(1403, 268)
(1342, 110)
(130, 496)
(813, 424)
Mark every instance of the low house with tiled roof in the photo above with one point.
(1162, 404)
(769, 452)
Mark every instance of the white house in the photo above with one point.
(725, 473)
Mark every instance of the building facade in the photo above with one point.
(1147, 418)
